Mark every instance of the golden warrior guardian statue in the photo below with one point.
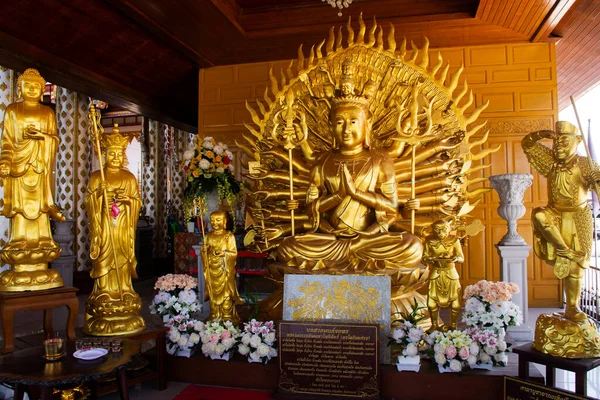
(353, 154)
(29, 146)
(563, 237)
(113, 205)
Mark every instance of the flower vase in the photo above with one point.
(485, 366)
(225, 356)
(511, 188)
(190, 226)
(184, 352)
(409, 363)
(444, 369)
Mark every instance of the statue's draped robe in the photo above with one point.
(219, 275)
(376, 250)
(444, 285)
(116, 256)
(30, 188)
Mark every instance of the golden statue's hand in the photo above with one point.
(347, 182)
(104, 186)
(218, 253)
(596, 177)
(121, 196)
(412, 204)
(4, 170)
(263, 172)
(31, 132)
(262, 195)
(292, 204)
(270, 233)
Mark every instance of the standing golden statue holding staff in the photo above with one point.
(29, 146)
(113, 204)
(219, 255)
(563, 237)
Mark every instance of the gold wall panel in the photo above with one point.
(517, 107)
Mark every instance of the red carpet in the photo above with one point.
(195, 392)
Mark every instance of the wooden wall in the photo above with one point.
(519, 80)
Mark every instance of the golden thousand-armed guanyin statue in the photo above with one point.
(29, 146)
(353, 151)
(563, 233)
(113, 204)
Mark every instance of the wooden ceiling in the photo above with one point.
(144, 55)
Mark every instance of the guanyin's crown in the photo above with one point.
(347, 94)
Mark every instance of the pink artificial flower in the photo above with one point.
(225, 335)
(463, 353)
(450, 351)
(214, 338)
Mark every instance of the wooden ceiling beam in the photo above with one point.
(232, 11)
(19, 55)
(559, 10)
(157, 30)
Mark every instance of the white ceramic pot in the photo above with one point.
(409, 363)
(225, 356)
(487, 366)
(184, 353)
(190, 227)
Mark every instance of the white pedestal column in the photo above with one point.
(513, 268)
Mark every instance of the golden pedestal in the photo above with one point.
(560, 337)
(114, 317)
(29, 270)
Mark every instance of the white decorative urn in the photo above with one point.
(511, 188)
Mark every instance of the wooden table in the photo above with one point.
(580, 366)
(29, 368)
(45, 300)
(159, 334)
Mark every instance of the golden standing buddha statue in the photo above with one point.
(29, 146)
(563, 237)
(113, 306)
(441, 254)
(219, 254)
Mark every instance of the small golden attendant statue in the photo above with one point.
(441, 254)
(113, 306)
(29, 145)
(219, 255)
(563, 237)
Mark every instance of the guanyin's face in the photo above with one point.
(349, 125)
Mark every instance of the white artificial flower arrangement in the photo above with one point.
(407, 335)
(184, 335)
(219, 339)
(257, 341)
(487, 348)
(175, 303)
(450, 350)
(488, 305)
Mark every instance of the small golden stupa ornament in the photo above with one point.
(27, 160)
